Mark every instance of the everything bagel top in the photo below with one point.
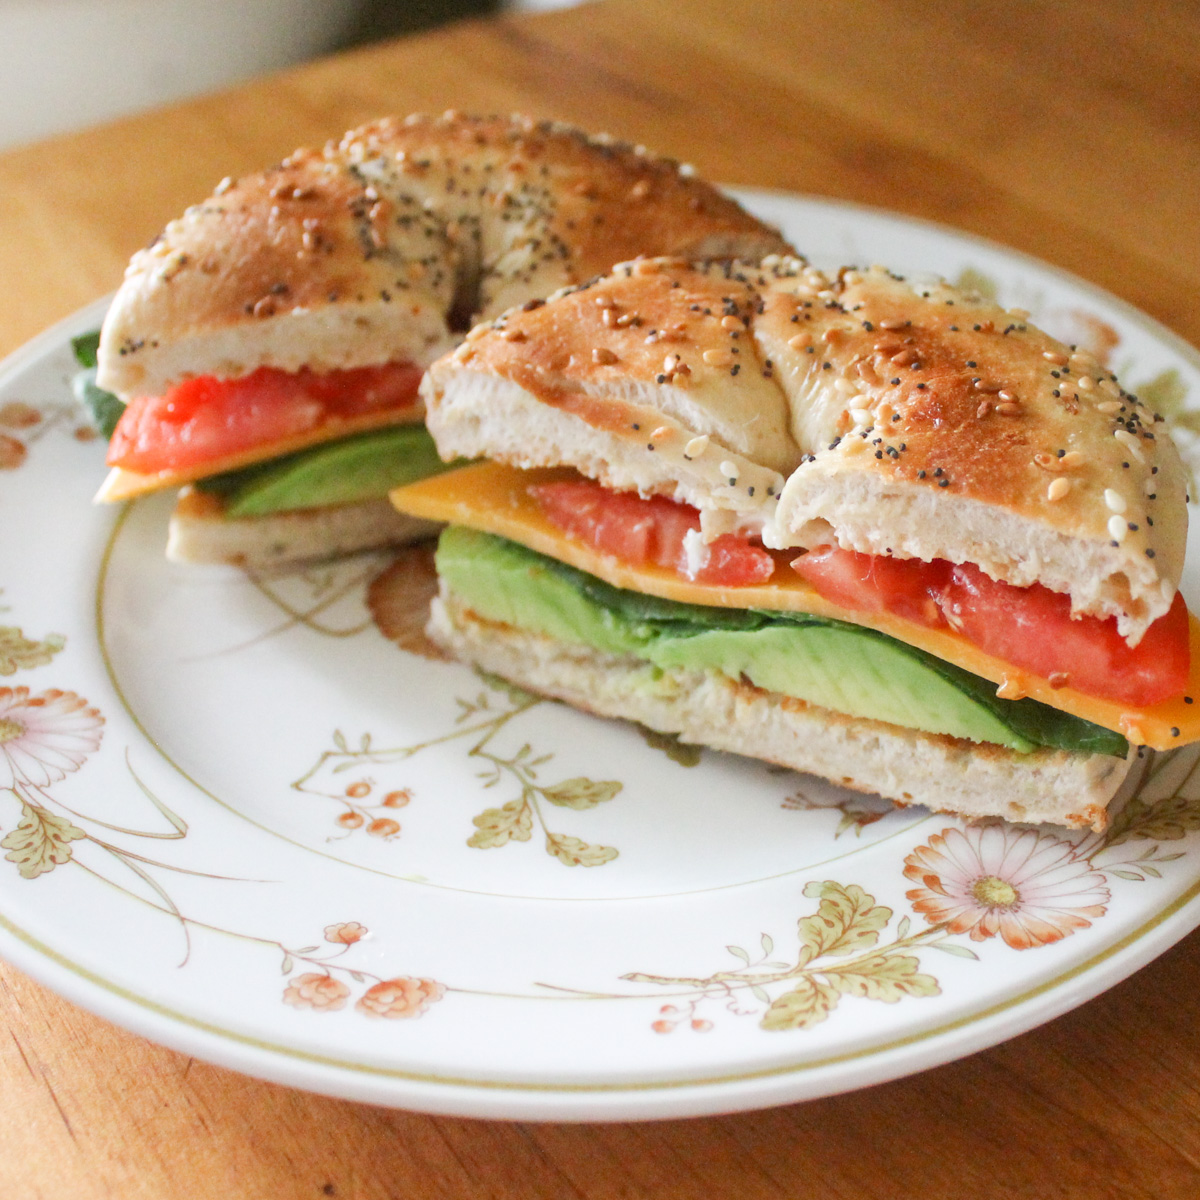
(374, 248)
(888, 418)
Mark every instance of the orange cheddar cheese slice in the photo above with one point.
(496, 499)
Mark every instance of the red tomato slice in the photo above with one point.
(907, 587)
(207, 419)
(649, 531)
(1031, 627)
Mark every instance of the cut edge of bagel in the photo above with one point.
(200, 533)
(324, 339)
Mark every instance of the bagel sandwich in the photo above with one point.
(881, 531)
(268, 345)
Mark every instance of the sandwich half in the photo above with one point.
(268, 345)
(892, 535)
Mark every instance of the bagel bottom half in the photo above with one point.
(200, 532)
(707, 708)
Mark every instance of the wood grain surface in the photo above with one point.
(1069, 130)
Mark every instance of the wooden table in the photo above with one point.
(1069, 130)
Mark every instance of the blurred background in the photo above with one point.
(66, 64)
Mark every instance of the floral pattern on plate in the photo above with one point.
(180, 819)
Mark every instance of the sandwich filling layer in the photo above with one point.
(712, 710)
(503, 500)
(844, 668)
(183, 437)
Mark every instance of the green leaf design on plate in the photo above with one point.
(576, 853)
(499, 826)
(1165, 394)
(18, 652)
(40, 842)
(1165, 821)
(581, 793)
(972, 280)
(807, 1004)
(678, 752)
(886, 977)
(846, 921)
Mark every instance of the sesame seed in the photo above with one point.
(728, 469)
(1114, 500)
(1054, 356)
(602, 356)
(696, 446)
(1117, 529)
(1058, 489)
(1130, 443)
(717, 358)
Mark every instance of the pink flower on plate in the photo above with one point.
(403, 997)
(1028, 887)
(347, 933)
(44, 737)
(317, 991)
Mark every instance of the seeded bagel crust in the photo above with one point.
(364, 252)
(706, 708)
(918, 421)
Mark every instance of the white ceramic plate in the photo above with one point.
(240, 821)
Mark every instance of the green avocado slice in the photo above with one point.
(363, 467)
(505, 582)
(830, 663)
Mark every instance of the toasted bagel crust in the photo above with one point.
(359, 253)
(920, 422)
